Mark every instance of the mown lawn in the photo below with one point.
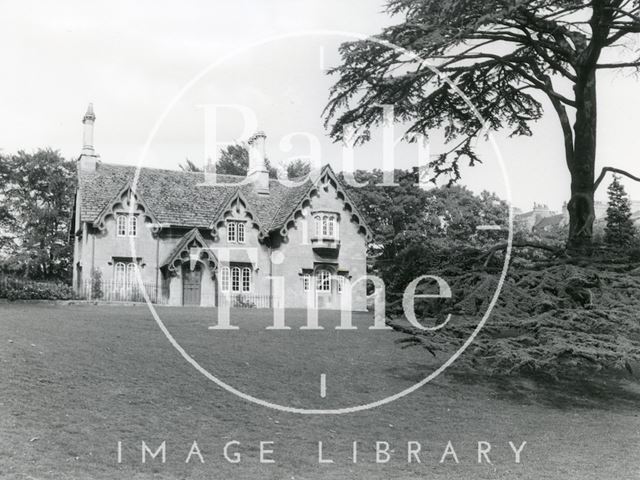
(77, 379)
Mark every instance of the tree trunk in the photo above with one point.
(582, 166)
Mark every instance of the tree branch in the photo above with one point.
(503, 246)
(614, 170)
(618, 65)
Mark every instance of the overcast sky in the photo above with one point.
(132, 59)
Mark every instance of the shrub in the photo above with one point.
(96, 283)
(242, 302)
(15, 290)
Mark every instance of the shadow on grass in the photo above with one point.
(607, 392)
(603, 391)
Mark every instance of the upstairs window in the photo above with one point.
(126, 225)
(240, 232)
(133, 226)
(235, 231)
(121, 225)
(326, 225)
(231, 232)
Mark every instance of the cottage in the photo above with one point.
(244, 240)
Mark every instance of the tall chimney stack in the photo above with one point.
(88, 157)
(258, 173)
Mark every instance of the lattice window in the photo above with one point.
(224, 279)
(326, 226)
(235, 279)
(133, 226)
(235, 231)
(240, 232)
(231, 232)
(121, 225)
(246, 279)
(306, 282)
(131, 274)
(120, 273)
(323, 281)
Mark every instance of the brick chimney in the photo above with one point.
(88, 157)
(258, 173)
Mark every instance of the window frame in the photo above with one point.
(326, 225)
(241, 232)
(120, 273)
(246, 281)
(225, 279)
(132, 226)
(236, 279)
(131, 274)
(232, 232)
(323, 281)
(236, 231)
(122, 226)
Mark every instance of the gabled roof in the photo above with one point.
(174, 197)
(183, 199)
(299, 198)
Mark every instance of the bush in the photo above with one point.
(96, 283)
(20, 290)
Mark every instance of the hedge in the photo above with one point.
(13, 289)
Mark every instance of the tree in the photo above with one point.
(234, 160)
(189, 166)
(37, 191)
(505, 56)
(6, 218)
(298, 168)
(620, 231)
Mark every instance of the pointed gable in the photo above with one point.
(303, 197)
(184, 252)
(126, 200)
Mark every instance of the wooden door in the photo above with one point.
(191, 285)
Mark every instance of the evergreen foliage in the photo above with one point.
(620, 231)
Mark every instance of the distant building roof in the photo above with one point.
(552, 221)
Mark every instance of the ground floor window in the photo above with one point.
(246, 279)
(323, 281)
(224, 279)
(125, 273)
(236, 279)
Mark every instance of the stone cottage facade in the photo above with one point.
(192, 241)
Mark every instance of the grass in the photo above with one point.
(77, 379)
